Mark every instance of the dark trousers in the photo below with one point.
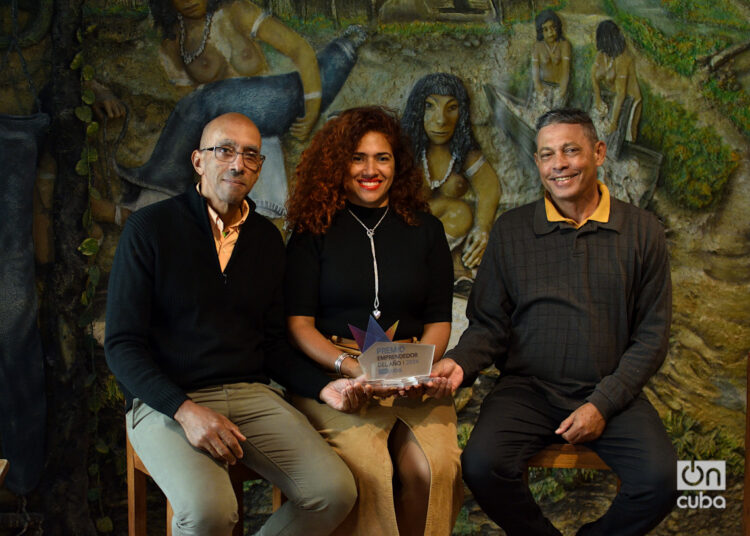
(516, 421)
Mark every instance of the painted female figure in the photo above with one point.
(550, 62)
(437, 120)
(210, 40)
(613, 72)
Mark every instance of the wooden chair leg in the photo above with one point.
(136, 496)
(277, 498)
(170, 515)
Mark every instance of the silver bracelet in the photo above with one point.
(339, 361)
(313, 95)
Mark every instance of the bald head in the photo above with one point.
(227, 121)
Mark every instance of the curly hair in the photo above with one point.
(609, 39)
(412, 121)
(319, 194)
(544, 16)
(165, 15)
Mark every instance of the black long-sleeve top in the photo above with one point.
(584, 313)
(331, 277)
(176, 322)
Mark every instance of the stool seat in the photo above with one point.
(136, 477)
(567, 456)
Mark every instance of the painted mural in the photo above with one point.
(668, 84)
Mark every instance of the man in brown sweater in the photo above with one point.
(572, 303)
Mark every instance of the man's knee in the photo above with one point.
(658, 480)
(341, 494)
(333, 496)
(483, 467)
(209, 514)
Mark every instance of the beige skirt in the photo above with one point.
(361, 439)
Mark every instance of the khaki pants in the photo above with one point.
(281, 446)
(361, 439)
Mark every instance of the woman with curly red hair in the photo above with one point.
(364, 244)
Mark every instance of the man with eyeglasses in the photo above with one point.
(195, 328)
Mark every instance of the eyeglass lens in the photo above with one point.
(228, 154)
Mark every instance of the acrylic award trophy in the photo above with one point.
(388, 363)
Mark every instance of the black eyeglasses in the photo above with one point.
(251, 159)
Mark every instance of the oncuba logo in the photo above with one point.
(700, 476)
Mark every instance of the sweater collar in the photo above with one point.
(199, 209)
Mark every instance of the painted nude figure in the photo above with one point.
(437, 120)
(210, 40)
(550, 61)
(613, 72)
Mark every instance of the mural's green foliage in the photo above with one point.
(581, 92)
(464, 526)
(677, 52)
(693, 442)
(553, 484)
(680, 51)
(519, 81)
(733, 103)
(323, 27)
(554, 5)
(697, 164)
(320, 26)
(719, 12)
(464, 431)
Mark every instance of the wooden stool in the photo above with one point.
(3, 470)
(136, 476)
(567, 456)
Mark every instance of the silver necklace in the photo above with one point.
(437, 184)
(371, 236)
(189, 58)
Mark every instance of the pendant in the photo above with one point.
(376, 314)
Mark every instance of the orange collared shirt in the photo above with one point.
(601, 213)
(225, 237)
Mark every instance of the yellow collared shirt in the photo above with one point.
(225, 237)
(601, 214)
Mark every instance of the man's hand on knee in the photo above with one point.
(584, 424)
(210, 431)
